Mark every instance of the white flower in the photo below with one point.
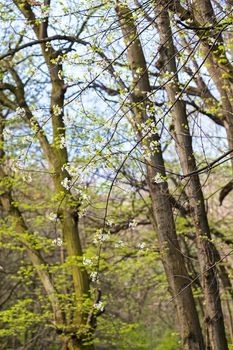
(58, 242)
(85, 197)
(66, 183)
(101, 237)
(94, 276)
(154, 145)
(48, 45)
(109, 223)
(20, 112)
(119, 244)
(57, 110)
(158, 178)
(141, 245)
(72, 171)
(62, 142)
(87, 262)
(133, 224)
(99, 306)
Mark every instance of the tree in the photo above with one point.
(98, 130)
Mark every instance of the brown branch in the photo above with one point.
(207, 167)
(225, 191)
(42, 41)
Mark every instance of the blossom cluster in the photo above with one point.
(87, 262)
(58, 242)
(133, 224)
(94, 276)
(62, 143)
(119, 244)
(66, 183)
(148, 129)
(100, 236)
(99, 306)
(20, 112)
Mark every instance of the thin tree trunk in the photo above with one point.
(172, 257)
(58, 158)
(214, 322)
(218, 64)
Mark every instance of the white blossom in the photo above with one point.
(58, 242)
(94, 276)
(66, 183)
(62, 142)
(148, 129)
(154, 145)
(52, 216)
(85, 197)
(133, 224)
(109, 223)
(48, 45)
(20, 112)
(119, 244)
(141, 245)
(99, 306)
(72, 171)
(57, 110)
(87, 262)
(101, 237)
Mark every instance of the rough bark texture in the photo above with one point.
(172, 257)
(218, 63)
(57, 158)
(214, 323)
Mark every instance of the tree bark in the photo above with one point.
(218, 64)
(58, 158)
(172, 257)
(214, 322)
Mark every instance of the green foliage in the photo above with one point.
(17, 319)
(170, 341)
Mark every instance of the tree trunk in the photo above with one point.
(57, 156)
(219, 65)
(215, 331)
(74, 344)
(172, 257)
